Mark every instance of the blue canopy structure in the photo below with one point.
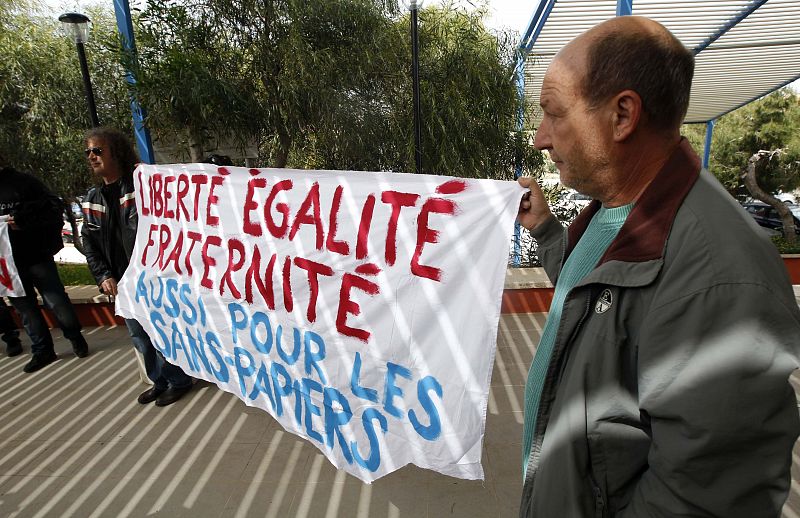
(743, 49)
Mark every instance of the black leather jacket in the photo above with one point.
(96, 229)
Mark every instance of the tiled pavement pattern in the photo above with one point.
(74, 443)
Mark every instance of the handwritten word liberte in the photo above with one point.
(252, 269)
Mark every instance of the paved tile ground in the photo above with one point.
(74, 443)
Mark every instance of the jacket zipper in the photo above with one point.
(104, 229)
(538, 432)
(599, 503)
(531, 468)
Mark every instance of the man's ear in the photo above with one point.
(626, 109)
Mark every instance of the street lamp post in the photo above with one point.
(414, 6)
(76, 26)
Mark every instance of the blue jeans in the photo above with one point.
(162, 373)
(44, 277)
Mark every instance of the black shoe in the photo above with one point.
(171, 395)
(39, 360)
(14, 349)
(80, 347)
(150, 395)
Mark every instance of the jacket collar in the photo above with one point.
(124, 180)
(644, 235)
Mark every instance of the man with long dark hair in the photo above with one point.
(109, 235)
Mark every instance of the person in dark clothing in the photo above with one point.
(8, 331)
(109, 235)
(215, 159)
(35, 220)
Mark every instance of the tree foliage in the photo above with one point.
(313, 62)
(327, 84)
(191, 80)
(43, 110)
(769, 124)
(323, 85)
(755, 150)
(470, 97)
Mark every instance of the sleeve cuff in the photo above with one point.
(547, 229)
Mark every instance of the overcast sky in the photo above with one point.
(511, 14)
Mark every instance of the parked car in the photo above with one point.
(795, 209)
(579, 199)
(768, 217)
(66, 233)
(77, 213)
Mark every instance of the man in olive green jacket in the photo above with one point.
(664, 381)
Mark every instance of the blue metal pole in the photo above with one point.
(519, 70)
(624, 7)
(536, 25)
(730, 24)
(125, 27)
(707, 150)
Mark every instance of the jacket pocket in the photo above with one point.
(618, 456)
(597, 476)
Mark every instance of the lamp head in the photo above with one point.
(75, 26)
(413, 5)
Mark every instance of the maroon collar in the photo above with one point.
(645, 232)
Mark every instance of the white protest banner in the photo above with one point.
(10, 284)
(358, 309)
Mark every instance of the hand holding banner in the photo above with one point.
(359, 309)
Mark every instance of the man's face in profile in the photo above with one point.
(98, 153)
(571, 131)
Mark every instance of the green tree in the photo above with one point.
(695, 134)
(320, 84)
(313, 61)
(191, 80)
(758, 147)
(43, 110)
(469, 104)
(768, 124)
(327, 84)
(469, 97)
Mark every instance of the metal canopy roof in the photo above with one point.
(743, 49)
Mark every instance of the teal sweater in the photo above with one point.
(590, 248)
